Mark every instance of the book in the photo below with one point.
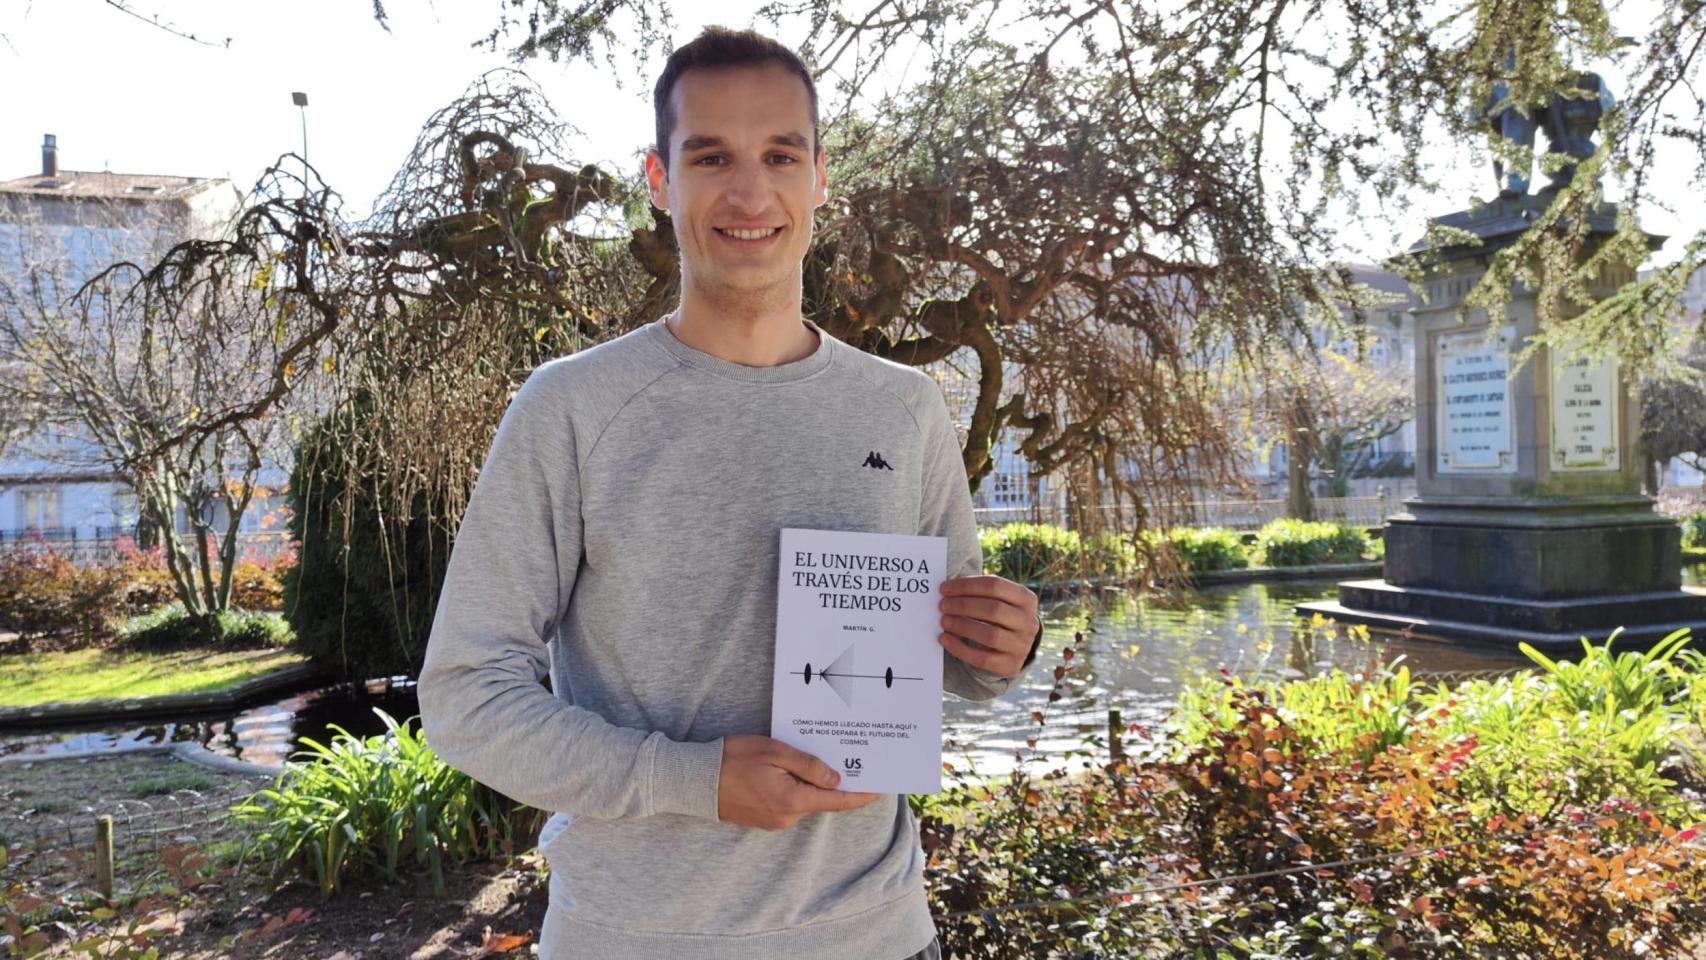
(858, 675)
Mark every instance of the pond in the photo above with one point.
(1137, 655)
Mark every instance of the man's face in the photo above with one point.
(742, 180)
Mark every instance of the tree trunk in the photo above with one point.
(1299, 500)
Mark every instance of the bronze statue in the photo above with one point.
(1569, 120)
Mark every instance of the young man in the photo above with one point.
(630, 511)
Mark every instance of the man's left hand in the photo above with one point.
(989, 622)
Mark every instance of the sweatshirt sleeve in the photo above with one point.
(511, 574)
(946, 511)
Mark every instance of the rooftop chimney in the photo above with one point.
(49, 156)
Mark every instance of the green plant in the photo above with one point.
(380, 806)
(1039, 552)
(1205, 550)
(1354, 714)
(1694, 531)
(1031, 552)
(1110, 554)
(1633, 681)
(1299, 543)
(361, 593)
(185, 778)
(171, 626)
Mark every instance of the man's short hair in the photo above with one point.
(722, 47)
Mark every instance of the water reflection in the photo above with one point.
(1139, 653)
(267, 734)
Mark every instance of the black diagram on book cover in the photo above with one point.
(839, 675)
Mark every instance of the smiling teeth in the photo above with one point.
(751, 234)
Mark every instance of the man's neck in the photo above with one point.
(748, 334)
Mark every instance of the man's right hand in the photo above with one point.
(766, 783)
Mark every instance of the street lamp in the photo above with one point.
(301, 101)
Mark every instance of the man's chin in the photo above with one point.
(743, 284)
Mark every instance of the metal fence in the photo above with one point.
(1243, 515)
(260, 547)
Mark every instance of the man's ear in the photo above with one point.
(657, 180)
(821, 195)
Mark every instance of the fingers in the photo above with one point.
(987, 585)
(998, 612)
(993, 600)
(1002, 663)
(809, 769)
(814, 800)
(989, 622)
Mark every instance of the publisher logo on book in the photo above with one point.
(851, 765)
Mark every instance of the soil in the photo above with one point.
(222, 909)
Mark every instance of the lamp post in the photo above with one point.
(301, 101)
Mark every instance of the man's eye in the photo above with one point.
(709, 160)
(783, 158)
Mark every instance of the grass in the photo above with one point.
(173, 780)
(29, 679)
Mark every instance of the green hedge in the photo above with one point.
(1037, 552)
(170, 627)
(1300, 543)
(1206, 550)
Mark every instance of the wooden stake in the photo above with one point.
(104, 856)
(1116, 726)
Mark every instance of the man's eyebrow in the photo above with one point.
(798, 141)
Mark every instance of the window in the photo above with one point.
(39, 509)
(125, 508)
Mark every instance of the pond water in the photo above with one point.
(1137, 655)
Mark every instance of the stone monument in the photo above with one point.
(1529, 523)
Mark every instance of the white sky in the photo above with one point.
(122, 95)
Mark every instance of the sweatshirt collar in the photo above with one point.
(806, 366)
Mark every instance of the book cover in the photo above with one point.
(858, 679)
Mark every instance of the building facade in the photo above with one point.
(59, 228)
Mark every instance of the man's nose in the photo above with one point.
(747, 191)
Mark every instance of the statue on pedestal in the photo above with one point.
(1569, 120)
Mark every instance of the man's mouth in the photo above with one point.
(762, 233)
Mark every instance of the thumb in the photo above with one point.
(805, 766)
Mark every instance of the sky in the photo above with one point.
(121, 94)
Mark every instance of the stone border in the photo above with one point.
(187, 752)
(1262, 574)
(142, 708)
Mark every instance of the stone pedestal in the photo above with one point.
(1529, 524)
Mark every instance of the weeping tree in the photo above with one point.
(1182, 168)
(1090, 212)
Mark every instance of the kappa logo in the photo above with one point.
(876, 462)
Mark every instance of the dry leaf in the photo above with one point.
(496, 943)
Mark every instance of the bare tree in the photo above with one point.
(1330, 405)
(1673, 417)
(123, 376)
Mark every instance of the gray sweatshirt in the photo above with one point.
(623, 537)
